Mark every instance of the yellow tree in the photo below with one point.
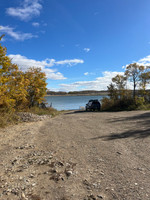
(12, 82)
(5, 65)
(36, 86)
(18, 86)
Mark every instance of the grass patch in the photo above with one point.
(44, 111)
(7, 117)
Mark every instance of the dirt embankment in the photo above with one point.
(77, 156)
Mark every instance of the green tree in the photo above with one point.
(133, 72)
(120, 82)
(112, 92)
(144, 81)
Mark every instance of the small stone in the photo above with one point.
(95, 185)
(23, 195)
(31, 176)
(119, 153)
(99, 196)
(101, 173)
(45, 172)
(68, 173)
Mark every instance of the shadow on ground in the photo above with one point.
(138, 134)
(143, 118)
(142, 123)
(80, 111)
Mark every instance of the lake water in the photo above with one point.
(70, 102)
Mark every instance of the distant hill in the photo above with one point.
(79, 93)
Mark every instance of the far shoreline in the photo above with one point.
(52, 95)
(75, 95)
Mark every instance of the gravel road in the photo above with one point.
(77, 156)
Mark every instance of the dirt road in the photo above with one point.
(77, 156)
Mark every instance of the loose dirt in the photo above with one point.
(77, 156)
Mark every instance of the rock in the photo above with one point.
(119, 153)
(34, 184)
(91, 197)
(68, 173)
(31, 176)
(30, 117)
(99, 196)
(23, 195)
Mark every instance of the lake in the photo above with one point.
(70, 102)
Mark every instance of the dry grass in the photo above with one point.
(44, 111)
(7, 117)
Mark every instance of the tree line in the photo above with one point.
(82, 92)
(122, 98)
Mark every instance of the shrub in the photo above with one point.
(107, 104)
(118, 105)
(139, 101)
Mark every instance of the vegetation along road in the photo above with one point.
(77, 156)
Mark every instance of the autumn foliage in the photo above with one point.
(19, 90)
(123, 98)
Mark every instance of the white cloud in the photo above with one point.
(86, 73)
(89, 73)
(100, 83)
(16, 35)
(87, 49)
(27, 10)
(24, 63)
(35, 24)
(145, 61)
(69, 62)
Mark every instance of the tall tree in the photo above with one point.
(120, 82)
(12, 90)
(36, 86)
(133, 72)
(5, 68)
(19, 89)
(144, 81)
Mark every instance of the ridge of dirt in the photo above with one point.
(77, 156)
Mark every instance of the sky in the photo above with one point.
(79, 44)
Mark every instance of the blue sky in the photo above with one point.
(79, 44)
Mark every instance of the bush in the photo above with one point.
(139, 101)
(118, 105)
(107, 104)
